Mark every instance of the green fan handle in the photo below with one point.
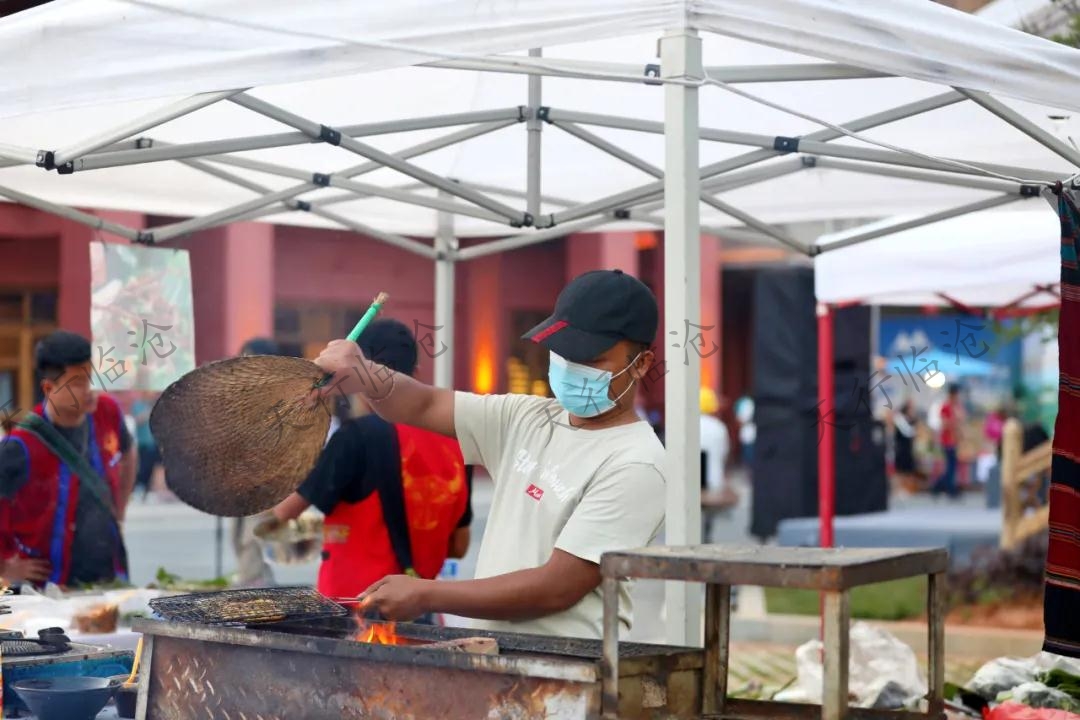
(368, 317)
(358, 330)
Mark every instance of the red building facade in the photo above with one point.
(307, 286)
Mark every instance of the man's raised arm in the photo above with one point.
(396, 397)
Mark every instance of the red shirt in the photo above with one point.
(948, 417)
(370, 466)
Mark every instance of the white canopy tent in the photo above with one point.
(150, 94)
(981, 260)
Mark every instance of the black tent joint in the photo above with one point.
(329, 135)
(786, 144)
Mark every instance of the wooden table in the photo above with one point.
(833, 572)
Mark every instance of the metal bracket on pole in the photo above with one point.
(786, 144)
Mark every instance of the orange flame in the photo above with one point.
(377, 633)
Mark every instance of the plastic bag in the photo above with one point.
(882, 673)
(1002, 675)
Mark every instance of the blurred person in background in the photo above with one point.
(744, 415)
(149, 457)
(67, 470)
(952, 423)
(397, 499)
(905, 422)
(715, 442)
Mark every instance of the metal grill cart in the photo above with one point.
(834, 572)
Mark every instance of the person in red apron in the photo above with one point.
(397, 499)
(67, 470)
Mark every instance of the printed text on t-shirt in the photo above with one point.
(548, 475)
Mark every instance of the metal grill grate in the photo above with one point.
(247, 607)
(22, 648)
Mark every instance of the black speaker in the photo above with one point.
(786, 408)
(784, 336)
(783, 470)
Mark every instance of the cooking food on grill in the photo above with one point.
(263, 608)
(246, 606)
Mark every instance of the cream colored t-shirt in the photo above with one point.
(585, 492)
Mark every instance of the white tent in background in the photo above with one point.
(230, 109)
(988, 259)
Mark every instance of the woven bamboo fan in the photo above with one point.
(236, 437)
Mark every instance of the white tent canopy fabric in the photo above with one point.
(989, 259)
(79, 52)
(77, 68)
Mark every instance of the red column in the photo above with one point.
(826, 418)
(601, 251)
(248, 279)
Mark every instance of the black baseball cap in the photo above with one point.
(595, 311)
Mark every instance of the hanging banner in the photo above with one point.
(141, 316)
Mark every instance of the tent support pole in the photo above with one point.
(138, 125)
(514, 217)
(70, 213)
(179, 151)
(790, 73)
(826, 415)
(560, 67)
(977, 183)
(397, 241)
(494, 190)
(650, 169)
(255, 208)
(534, 128)
(17, 155)
(996, 201)
(765, 152)
(888, 157)
(680, 52)
(1024, 125)
(442, 350)
(165, 233)
(527, 238)
(900, 112)
(404, 243)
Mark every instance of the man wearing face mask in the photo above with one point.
(575, 476)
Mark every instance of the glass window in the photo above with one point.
(286, 320)
(11, 307)
(43, 307)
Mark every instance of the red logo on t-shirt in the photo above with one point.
(534, 492)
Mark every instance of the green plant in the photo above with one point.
(1000, 576)
(896, 600)
(1071, 36)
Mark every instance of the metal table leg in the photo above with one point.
(717, 645)
(936, 605)
(609, 664)
(834, 701)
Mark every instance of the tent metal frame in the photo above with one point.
(677, 191)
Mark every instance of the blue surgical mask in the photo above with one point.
(583, 390)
